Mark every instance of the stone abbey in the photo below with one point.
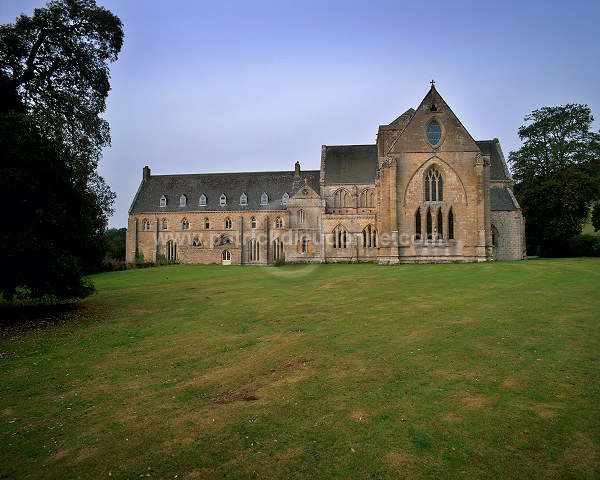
(425, 192)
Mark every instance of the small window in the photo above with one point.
(434, 133)
(146, 225)
(202, 201)
(228, 223)
(285, 198)
(253, 222)
(163, 201)
(165, 224)
(223, 200)
(278, 222)
(182, 201)
(301, 217)
(206, 224)
(264, 199)
(196, 242)
(185, 224)
(451, 224)
(243, 199)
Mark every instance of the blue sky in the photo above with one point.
(218, 86)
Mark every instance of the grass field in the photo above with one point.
(338, 371)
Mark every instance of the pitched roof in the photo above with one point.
(498, 168)
(502, 199)
(351, 164)
(213, 185)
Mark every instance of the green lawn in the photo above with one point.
(338, 371)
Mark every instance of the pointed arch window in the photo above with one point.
(146, 224)
(429, 222)
(278, 222)
(434, 186)
(165, 224)
(253, 250)
(171, 251)
(196, 242)
(451, 224)
(367, 198)
(341, 198)
(223, 200)
(277, 249)
(418, 229)
(163, 201)
(340, 237)
(243, 199)
(434, 133)
(285, 198)
(227, 223)
(253, 222)
(185, 224)
(206, 224)
(440, 224)
(202, 201)
(182, 201)
(264, 199)
(369, 237)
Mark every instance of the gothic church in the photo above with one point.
(425, 192)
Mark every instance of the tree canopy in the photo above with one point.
(54, 80)
(557, 173)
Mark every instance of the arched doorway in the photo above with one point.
(226, 257)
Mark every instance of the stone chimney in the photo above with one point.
(297, 169)
(146, 173)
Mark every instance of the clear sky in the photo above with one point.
(218, 86)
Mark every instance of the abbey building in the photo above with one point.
(425, 192)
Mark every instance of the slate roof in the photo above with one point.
(212, 185)
(350, 164)
(498, 168)
(502, 199)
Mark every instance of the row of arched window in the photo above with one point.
(341, 237)
(341, 198)
(202, 202)
(444, 226)
(227, 223)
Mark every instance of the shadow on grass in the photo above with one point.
(16, 318)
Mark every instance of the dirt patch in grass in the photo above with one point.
(358, 416)
(403, 464)
(583, 456)
(235, 396)
(474, 401)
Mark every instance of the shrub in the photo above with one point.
(279, 262)
(584, 245)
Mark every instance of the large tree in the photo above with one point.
(556, 172)
(54, 80)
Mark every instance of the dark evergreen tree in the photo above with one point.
(556, 173)
(54, 80)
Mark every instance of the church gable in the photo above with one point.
(433, 128)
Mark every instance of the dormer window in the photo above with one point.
(264, 199)
(223, 200)
(434, 133)
(202, 201)
(163, 201)
(243, 199)
(182, 201)
(285, 198)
